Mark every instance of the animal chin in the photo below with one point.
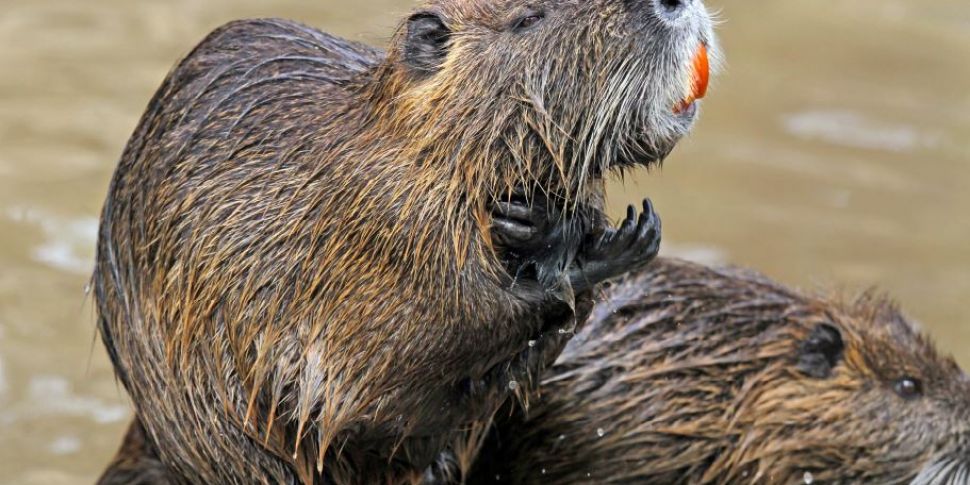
(652, 152)
(684, 111)
(643, 156)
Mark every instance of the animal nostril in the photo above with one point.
(671, 7)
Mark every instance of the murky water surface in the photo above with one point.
(834, 150)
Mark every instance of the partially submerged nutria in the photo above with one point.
(691, 375)
(317, 260)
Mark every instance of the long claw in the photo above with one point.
(514, 210)
(513, 230)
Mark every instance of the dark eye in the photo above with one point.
(527, 21)
(908, 388)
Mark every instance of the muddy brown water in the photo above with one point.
(834, 151)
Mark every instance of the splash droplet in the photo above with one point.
(600, 432)
(532, 343)
(513, 385)
(808, 478)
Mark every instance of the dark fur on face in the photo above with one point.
(692, 375)
(296, 278)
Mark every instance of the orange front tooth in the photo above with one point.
(702, 72)
(699, 79)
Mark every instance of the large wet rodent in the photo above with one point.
(691, 375)
(299, 268)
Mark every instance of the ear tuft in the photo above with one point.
(426, 42)
(821, 351)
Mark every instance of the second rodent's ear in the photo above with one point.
(426, 42)
(821, 351)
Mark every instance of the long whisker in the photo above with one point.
(949, 470)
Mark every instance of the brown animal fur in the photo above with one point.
(691, 375)
(296, 277)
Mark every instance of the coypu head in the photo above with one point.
(902, 411)
(563, 90)
(686, 374)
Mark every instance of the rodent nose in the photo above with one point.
(670, 9)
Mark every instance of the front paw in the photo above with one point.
(635, 243)
(535, 239)
(618, 251)
(518, 226)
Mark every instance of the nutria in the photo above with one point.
(691, 375)
(317, 261)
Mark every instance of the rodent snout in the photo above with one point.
(671, 10)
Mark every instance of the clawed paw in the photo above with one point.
(517, 225)
(617, 251)
(635, 242)
(537, 243)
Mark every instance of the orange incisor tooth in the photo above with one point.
(702, 72)
(699, 79)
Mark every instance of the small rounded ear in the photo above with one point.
(426, 42)
(821, 351)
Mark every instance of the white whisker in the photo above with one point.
(949, 470)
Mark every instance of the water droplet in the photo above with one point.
(563, 331)
(808, 478)
(588, 475)
(532, 343)
(543, 471)
(600, 432)
(498, 478)
(562, 437)
(513, 385)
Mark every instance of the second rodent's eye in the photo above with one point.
(908, 388)
(527, 21)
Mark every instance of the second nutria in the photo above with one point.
(318, 260)
(691, 375)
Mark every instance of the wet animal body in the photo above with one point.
(318, 260)
(692, 375)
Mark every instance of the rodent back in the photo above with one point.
(261, 247)
(687, 374)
